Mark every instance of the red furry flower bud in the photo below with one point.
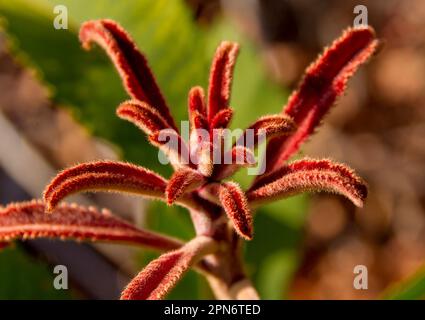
(142, 115)
(104, 176)
(324, 81)
(162, 274)
(29, 220)
(273, 125)
(196, 101)
(236, 207)
(221, 76)
(308, 175)
(222, 118)
(129, 61)
(183, 180)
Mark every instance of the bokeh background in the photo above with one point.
(57, 108)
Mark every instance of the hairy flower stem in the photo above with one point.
(225, 269)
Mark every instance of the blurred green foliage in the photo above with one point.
(23, 277)
(179, 52)
(412, 288)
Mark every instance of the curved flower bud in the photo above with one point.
(104, 176)
(142, 115)
(270, 126)
(182, 181)
(161, 275)
(130, 62)
(325, 80)
(308, 175)
(235, 205)
(196, 101)
(198, 121)
(222, 119)
(221, 76)
(29, 220)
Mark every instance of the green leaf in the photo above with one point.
(22, 277)
(412, 288)
(273, 254)
(275, 273)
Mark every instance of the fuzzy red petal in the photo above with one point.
(274, 125)
(309, 175)
(198, 121)
(196, 101)
(325, 80)
(142, 115)
(221, 76)
(30, 220)
(235, 205)
(129, 61)
(104, 176)
(161, 275)
(270, 126)
(222, 118)
(183, 180)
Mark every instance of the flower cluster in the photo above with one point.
(219, 208)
